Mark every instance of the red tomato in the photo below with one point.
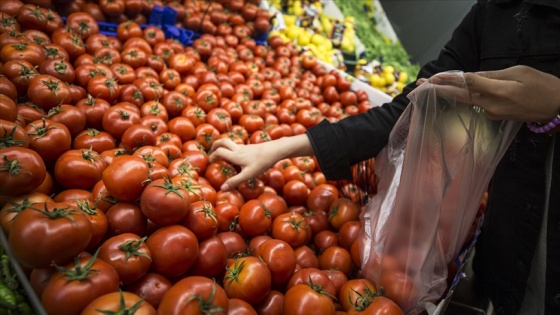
(79, 168)
(125, 218)
(212, 258)
(272, 304)
(234, 242)
(125, 177)
(50, 232)
(306, 258)
(292, 228)
(48, 138)
(119, 117)
(65, 295)
(128, 254)
(218, 172)
(336, 257)
(295, 192)
(325, 239)
(341, 211)
(98, 219)
(307, 299)
(247, 278)
(348, 233)
(165, 203)
(201, 219)
(119, 302)
(16, 205)
(321, 197)
(356, 293)
(151, 287)
(380, 305)
(254, 218)
(194, 295)
(21, 171)
(240, 307)
(174, 250)
(280, 259)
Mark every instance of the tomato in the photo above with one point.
(247, 278)
(119, 117)
(356, 294)
(295, 192)
(377, 306)
(49, 232)
(254, 218)
(20, 73)
(206, 99)
(182, 63)
(48, 138)
(119, 302)
(131, 93)
(70, 290)
(128, 254)
(28, 51)
(71, 42)
(137, 136)
(336, 257)
(321, 197)
(94, 109)
(98, 141)
(341, 211)
(234, 242)
(125, 217)
(220, 119)
(183, 127)
(150, 86)
(324, 239)
(212, 258)
(201, 219)
(309, 298)
(151, 287)
(398, 287)
(174, 250)
(218, 172)
(280, 259)
(82, 23)
(70, 116)
(103, 87)
(272, 304)
(292, 228)
(125, 177)
(194, 295)
(22, 170)
(226, 213)
(79, 168)
(47, 91)
(306, 257)
(16, 205)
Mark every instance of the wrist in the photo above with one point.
(547, 127)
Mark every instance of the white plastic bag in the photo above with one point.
(431, 176)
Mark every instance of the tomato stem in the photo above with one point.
(131, 248)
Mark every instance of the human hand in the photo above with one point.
(518, 93)
(255, 159)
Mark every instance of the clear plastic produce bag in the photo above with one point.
(431, 175)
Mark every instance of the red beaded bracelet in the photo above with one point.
(543, 128)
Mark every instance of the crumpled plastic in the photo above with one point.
(431, 177)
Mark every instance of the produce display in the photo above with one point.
(108, 200)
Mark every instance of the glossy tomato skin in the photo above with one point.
(164, 202)
(379, 306)
(182, 298)
(247, 278)
(151, 287)
(63, 296)
(21, 171)
(303, 299)
(48, 138)
(56, 233)
(16, 205)
(291, 227)
(174, 250)
(79, 168)
(212, 258)
(125, 177)
(254, 218)
(128, 254)
(47, 91)
(280, 259)
(356, 291)
(124, 217)
(111, 302)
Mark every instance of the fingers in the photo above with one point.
(234, 181)
(223, 142)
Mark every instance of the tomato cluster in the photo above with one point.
(105, 182)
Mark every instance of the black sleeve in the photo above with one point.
(340, 145)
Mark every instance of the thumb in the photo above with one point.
(485, 82)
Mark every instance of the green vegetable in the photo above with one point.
(7, 298)
(376, 45)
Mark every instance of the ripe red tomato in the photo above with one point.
(194, 295)
(292, 228)
(128, 254)
(254, 218)
(356, 293)
(125, 178)
(272, 304)
(377, 306)
(151, 287)
(212, 258)
(47, 91)
(119, 117)
(79, 168)
(306, 257)
(119, 302)
(341, 211)
(49, 232)
(174, 250)
(218, 172)
(336, 257)
(22, 170)
(63, 294)
(247, 278)
(201, 219)
(308, 298)
(324, 239)
(16, 205)
(280, 259)
(295, 192)
(234, 242)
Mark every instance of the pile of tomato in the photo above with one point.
(109, 201)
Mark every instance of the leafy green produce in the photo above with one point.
(376, 45)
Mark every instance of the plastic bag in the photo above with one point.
(431, 177)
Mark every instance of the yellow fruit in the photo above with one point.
(293, 32)
(304, 39)
(318, 39)
(290, 20)
(400, 86)
(377, 81)
(389, 78)
(388, 69)
(403, 77)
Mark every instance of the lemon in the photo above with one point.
(293, 31)
(377, 81)
(304, 39)
(389, 78)
(388, 69)
(403, 77)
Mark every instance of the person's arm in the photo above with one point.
(255, 159)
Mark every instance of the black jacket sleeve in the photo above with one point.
(340, 145)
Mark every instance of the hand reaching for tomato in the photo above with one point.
(255, 159)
